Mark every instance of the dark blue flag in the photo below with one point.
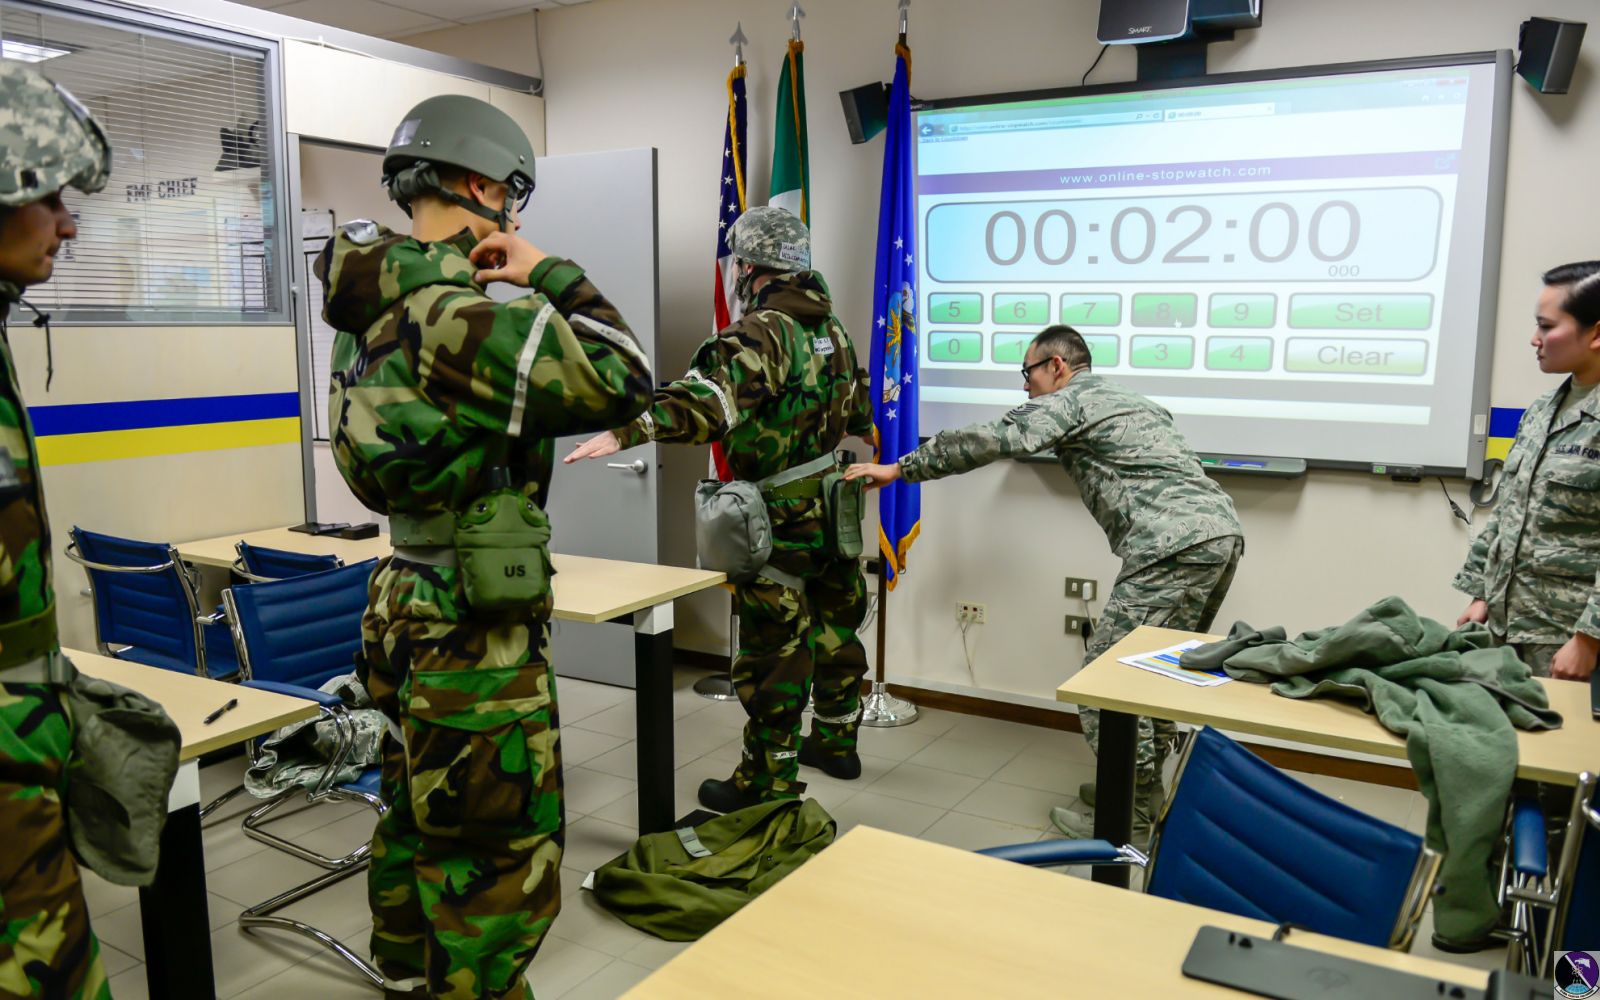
(894, 328)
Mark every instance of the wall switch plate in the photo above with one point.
(1081, 588)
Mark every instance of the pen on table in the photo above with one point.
(214, 716)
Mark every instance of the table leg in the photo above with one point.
(172, 911)
(652, 662)
(1113, 811)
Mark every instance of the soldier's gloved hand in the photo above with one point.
(599, 446)
(1477, 611)
(505, 257)
(876, 475)
(1575, 660)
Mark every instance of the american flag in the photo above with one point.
(724, 304)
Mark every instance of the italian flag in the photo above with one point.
(790, 165)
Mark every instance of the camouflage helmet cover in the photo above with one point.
(771, 237)
(48, 140)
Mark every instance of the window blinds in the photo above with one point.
(187, 228)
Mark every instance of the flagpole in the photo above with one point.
(719, 687)
(879, 708)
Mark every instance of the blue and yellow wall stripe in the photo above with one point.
(100, 432)
(1503, 421)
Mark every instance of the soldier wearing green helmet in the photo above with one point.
(48, 142)
(780, 388)
(442, 407)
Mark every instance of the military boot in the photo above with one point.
(724, 795)
(1080, 826)
(844, 766)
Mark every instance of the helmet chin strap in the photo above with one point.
(502, 218)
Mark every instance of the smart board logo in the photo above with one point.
(1577, 975)
(1141, 31)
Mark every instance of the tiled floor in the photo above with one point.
(954, 779)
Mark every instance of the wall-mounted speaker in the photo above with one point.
(1549, 52)
(866, 110)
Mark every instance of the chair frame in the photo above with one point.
(324, 791)
(191, 593)
(238, 567)
(1531, 948)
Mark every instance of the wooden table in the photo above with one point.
(586, 590)
(1123, 693)
(172, 910)
(881, 915)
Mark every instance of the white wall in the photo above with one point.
(624, 73)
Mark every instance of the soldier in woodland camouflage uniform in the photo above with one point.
(435, 385)
(47, 142)
(779, 388)
(1173, 528)
(1533, 572)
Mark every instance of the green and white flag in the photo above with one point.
(791, 168)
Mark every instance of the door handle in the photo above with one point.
(637, 466)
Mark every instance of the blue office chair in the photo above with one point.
(292, 636)
(258, 564)
(1552, 911)
(1240, 836)
(146, 606)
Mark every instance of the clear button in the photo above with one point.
(1356, 357)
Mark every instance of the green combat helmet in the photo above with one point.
(463, 132)
(771, 238)
(48, 140)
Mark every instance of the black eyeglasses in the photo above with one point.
(1027, 370)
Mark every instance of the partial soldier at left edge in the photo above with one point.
(48, 142)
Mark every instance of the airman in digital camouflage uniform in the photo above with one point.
(47, 142)
(434, 385)
(1174, 529)
(780, 388)
(1533, 572)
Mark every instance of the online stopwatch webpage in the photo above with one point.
(1294, 267)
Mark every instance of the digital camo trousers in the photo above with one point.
(46, 946)
(466, 862)
(1182, 591)
(793, 643)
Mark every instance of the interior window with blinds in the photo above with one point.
(187, 228)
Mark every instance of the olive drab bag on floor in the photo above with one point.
(680, 884)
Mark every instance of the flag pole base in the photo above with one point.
(717, 687)
(882, 710)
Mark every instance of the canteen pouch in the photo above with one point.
(842, 502)
(732, 530)
(503, 550)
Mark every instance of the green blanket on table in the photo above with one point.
(1454, 697)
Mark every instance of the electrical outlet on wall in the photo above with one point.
(1081, 588)
(969, 613)
(1077, 625)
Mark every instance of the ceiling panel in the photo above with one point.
(394, 18)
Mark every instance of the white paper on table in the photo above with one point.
(1165, 662)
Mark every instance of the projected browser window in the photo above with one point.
(1293, 267)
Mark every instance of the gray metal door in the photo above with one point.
(599, 209)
